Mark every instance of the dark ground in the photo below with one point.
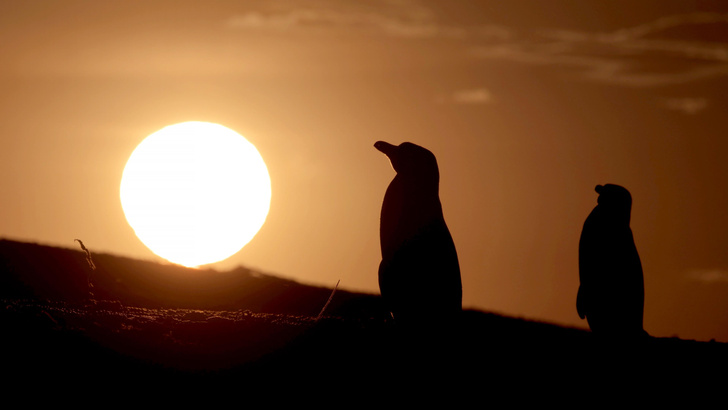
(145, 324)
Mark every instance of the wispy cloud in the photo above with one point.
(412, 25)
(708, 275)
(686, 105)
(668, 23)
(474, 96)
(671, 50)
(406, 20)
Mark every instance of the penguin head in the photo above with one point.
(410, 159)
(615, 200)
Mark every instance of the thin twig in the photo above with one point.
(328, 301)
(88, 255)
(91, 263)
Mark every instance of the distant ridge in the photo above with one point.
(33, 271)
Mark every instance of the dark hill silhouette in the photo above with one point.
(161, 324)
(32, 271)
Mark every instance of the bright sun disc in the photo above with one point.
(195, 192)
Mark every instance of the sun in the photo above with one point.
(195, 192)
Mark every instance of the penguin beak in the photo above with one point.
(385, 147)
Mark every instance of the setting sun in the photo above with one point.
(195, 192)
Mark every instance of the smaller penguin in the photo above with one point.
(419, 275)
(611, 292)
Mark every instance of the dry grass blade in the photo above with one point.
(328, 301)
(88, 255)
(90, 262)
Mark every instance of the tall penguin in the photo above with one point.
(419, 276)
(611, 294)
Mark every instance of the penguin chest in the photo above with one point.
(418, 253)
(611, 272)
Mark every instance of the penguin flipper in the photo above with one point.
(581, 303)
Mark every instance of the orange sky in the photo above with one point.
(526, 104)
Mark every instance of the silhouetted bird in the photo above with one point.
(419, 276)
(611, 294)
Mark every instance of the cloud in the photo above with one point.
(404, 21)
(708, 275)
(256, 20)
(662, 27)
(474, 96)
(414, 26)
(671, 50)
(686, 105)
(674, 49)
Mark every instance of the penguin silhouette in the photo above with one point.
(611, 293)
(419, 276)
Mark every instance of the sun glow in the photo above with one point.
(195, 192)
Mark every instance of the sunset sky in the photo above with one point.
(527, 104)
